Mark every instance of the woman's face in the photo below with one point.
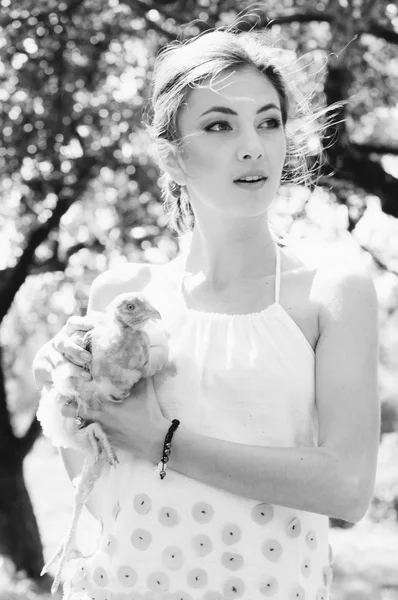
(233, 144)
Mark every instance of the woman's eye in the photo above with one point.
(271, 123)
(218, 126)
(222, 126)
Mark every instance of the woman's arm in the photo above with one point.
(337, 477)
(103, 290)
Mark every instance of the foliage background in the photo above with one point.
(79, 191)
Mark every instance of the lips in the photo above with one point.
(256, 180)
(251, 177)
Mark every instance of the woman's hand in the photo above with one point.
(135, 425)
(62, 348)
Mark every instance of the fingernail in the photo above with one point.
(85, 355)
(86, 375)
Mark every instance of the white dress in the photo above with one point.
(248, 379)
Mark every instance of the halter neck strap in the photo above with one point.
(277, 274)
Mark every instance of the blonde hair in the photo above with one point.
(181, 66)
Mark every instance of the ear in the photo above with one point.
(172, 163)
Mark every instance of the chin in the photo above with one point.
(239, 205)
(254, 204)
(252, 212)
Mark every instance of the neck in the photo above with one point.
(232, 251)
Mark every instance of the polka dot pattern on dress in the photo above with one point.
(231, 534)
(297, 593)
(141, 539)
(225, 544)
(306, 567)
(172, 557)
(293, 528)
(202, 545)
(202, 512)
(158, 581)
(234, 588)
(168, 516)
(127, 576)
(262, 513)
(197, 578)
(109, 545)
(322, 594)
(100, 577)
(272, 550)
(82, 586)
(311, 539)
(269, 588)
(232, 561)
(142, 504)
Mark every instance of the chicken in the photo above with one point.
(126, 345)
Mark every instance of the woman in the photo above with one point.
(276, 384)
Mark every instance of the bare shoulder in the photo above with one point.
(327, 299)
(132, 277)
(345, 294)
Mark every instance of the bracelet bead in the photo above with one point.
(160, 469)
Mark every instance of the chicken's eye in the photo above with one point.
(130, 306)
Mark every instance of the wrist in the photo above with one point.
(158, 440)
(160, 469)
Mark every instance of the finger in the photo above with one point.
(71, 351)
(71, 410)
(72, 371)
(76, 323)
(42, 367)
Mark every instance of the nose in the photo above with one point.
(250, 147)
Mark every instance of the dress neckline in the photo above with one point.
(222, 315)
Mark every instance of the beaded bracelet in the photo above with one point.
(160, 470)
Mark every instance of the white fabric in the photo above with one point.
(247, 379)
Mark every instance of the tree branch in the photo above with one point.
(54, 263)
(376, 149)
(370, 176)
(165, 12)
(7, 436)
(142, 9)
(259, 19)
(344, 160)
(318, 16)
(386, 33)
(21, 269)
(25, 443)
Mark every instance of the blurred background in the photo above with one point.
(79, 194)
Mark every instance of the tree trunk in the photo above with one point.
(19, 534)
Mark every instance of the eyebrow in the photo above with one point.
(229, 111)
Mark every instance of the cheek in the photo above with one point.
(280, 148)
(277, 154)
(200, 160)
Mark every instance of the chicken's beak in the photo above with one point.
(154, 314)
